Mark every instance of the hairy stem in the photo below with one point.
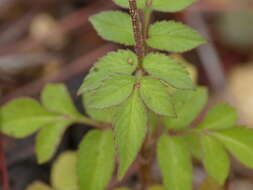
(137, 27)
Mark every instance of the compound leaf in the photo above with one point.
(220, 116)
(49, 138)
(165, 68)
(113, 91)
(23, 116)
(63, 174)
(129, 128)
(239, 141)
(215, 159)
(95, 163)
(56, 98)
(114, 26)
(173, 36)
(175, 163)
(156, 96)
(188, 105)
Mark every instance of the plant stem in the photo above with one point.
(88, 121)
(137, 27)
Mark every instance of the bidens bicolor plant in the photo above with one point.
(125, 94)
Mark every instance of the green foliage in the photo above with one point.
(188, 105)
(112, 92)
(159, 5)
(219, 117)
(156, 96)
(130, 123)
(239, 141)
(215, 159)
(37, 185)
(49, 138)
(63, 174)
(165, 68)
(173, 36)
(114, 26)
(22, 117)
(175, 163)
(131, 97)
(95, 160)
(56, 98)
(122, 61)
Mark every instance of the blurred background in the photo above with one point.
(44, 41)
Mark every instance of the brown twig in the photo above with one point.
(138, 35)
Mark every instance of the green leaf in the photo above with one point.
(93, 80)
(187, 108)
(101, 115)
(130, 127)
(165, 68)
(171, 5)
(159, 5)
(215, 159)
(49, 138)
(114, 91)
(239, 141)
(63, 174)
(23, 116)
(114, 26)
(173, 36)
(38, 185)
(96, 160)
(56, 98)
(220, 116)
(192, 140)
(156, 96)
(175, 163)
(125, 3)
(122, 61)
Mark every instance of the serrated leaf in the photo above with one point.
(114, 26)
(171, 5)
(220, 116)
(188, 105)
(156, 96)
(112, 92)
(49, 138)
(173, 36)
(93, 80)
(56, 98)
(165, 68)
(121, 61)
(96, 160)
(125, 3)
(130, 127)
(38, 185)
(23, 116)
(239, 141)
(215, 159)
(175, 163)
(63, 174)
